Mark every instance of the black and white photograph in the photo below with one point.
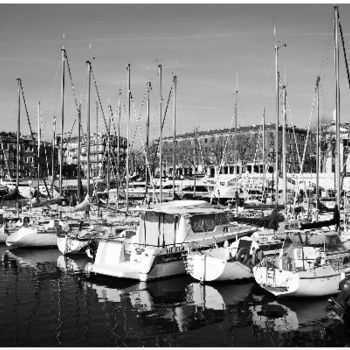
(174, 174)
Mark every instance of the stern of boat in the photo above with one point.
(277, 282)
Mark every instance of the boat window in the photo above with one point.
(205, 223)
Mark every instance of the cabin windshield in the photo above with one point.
(207, 223)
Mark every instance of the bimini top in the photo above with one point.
(328, 239)
(183, 207)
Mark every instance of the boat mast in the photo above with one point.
(39, 140)
(263, 152)
(96, 117)
(118, 145)
(53, 155)
(317, 144)
(147, 136)
(63, 52)
(236, 124)
(195, 162)
(236, 141)
(88, 93)
(277, 47)
(160, 132)
(174, 135)
(284, 145)
(78, 160)
(127, 137)
(18, 135)
(108, 154)
(337, 105)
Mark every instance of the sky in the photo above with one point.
(213, 49)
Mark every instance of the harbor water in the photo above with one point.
(47, 300)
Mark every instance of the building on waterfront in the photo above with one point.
(203, 151)
(328, 149)
(28, 157)
(98, 155)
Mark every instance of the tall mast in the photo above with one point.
(284, 145)
(147, 134)
(63, 52)
(78, 160)
(127, 137)
(174, 135)
(277, 47)
(18, 134)
(39, 140)
(160, 132)
(53, 155)
(118, 145)
(337, 105)
(236, 143)
(263, 152)
(317, 144)
(88, 93)
(108, 154)
(96, 117)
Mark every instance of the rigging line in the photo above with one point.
(112, 119)
(308, 134)
(26, 109)
(99, 97)
(5, 158)
(155, 199)
(165, 112)
(294, 134)
(71, 80)
(138, 118)
(111, 151)
(327, 49)
(344, 50)
(102, 111)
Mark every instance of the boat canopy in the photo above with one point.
(170, 225)
(329, 240)
(183, 207)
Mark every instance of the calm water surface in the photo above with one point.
(46, 300)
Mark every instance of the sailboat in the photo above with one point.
(313, 265)
(316, 261)
(40, 234)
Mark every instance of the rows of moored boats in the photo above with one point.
(210, 243)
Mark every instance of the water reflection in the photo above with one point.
(47, 300)
(218, 297)
(72, 264)
(301, 322)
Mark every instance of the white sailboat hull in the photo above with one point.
(321, 281)
(31, 237)
(215, 265)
